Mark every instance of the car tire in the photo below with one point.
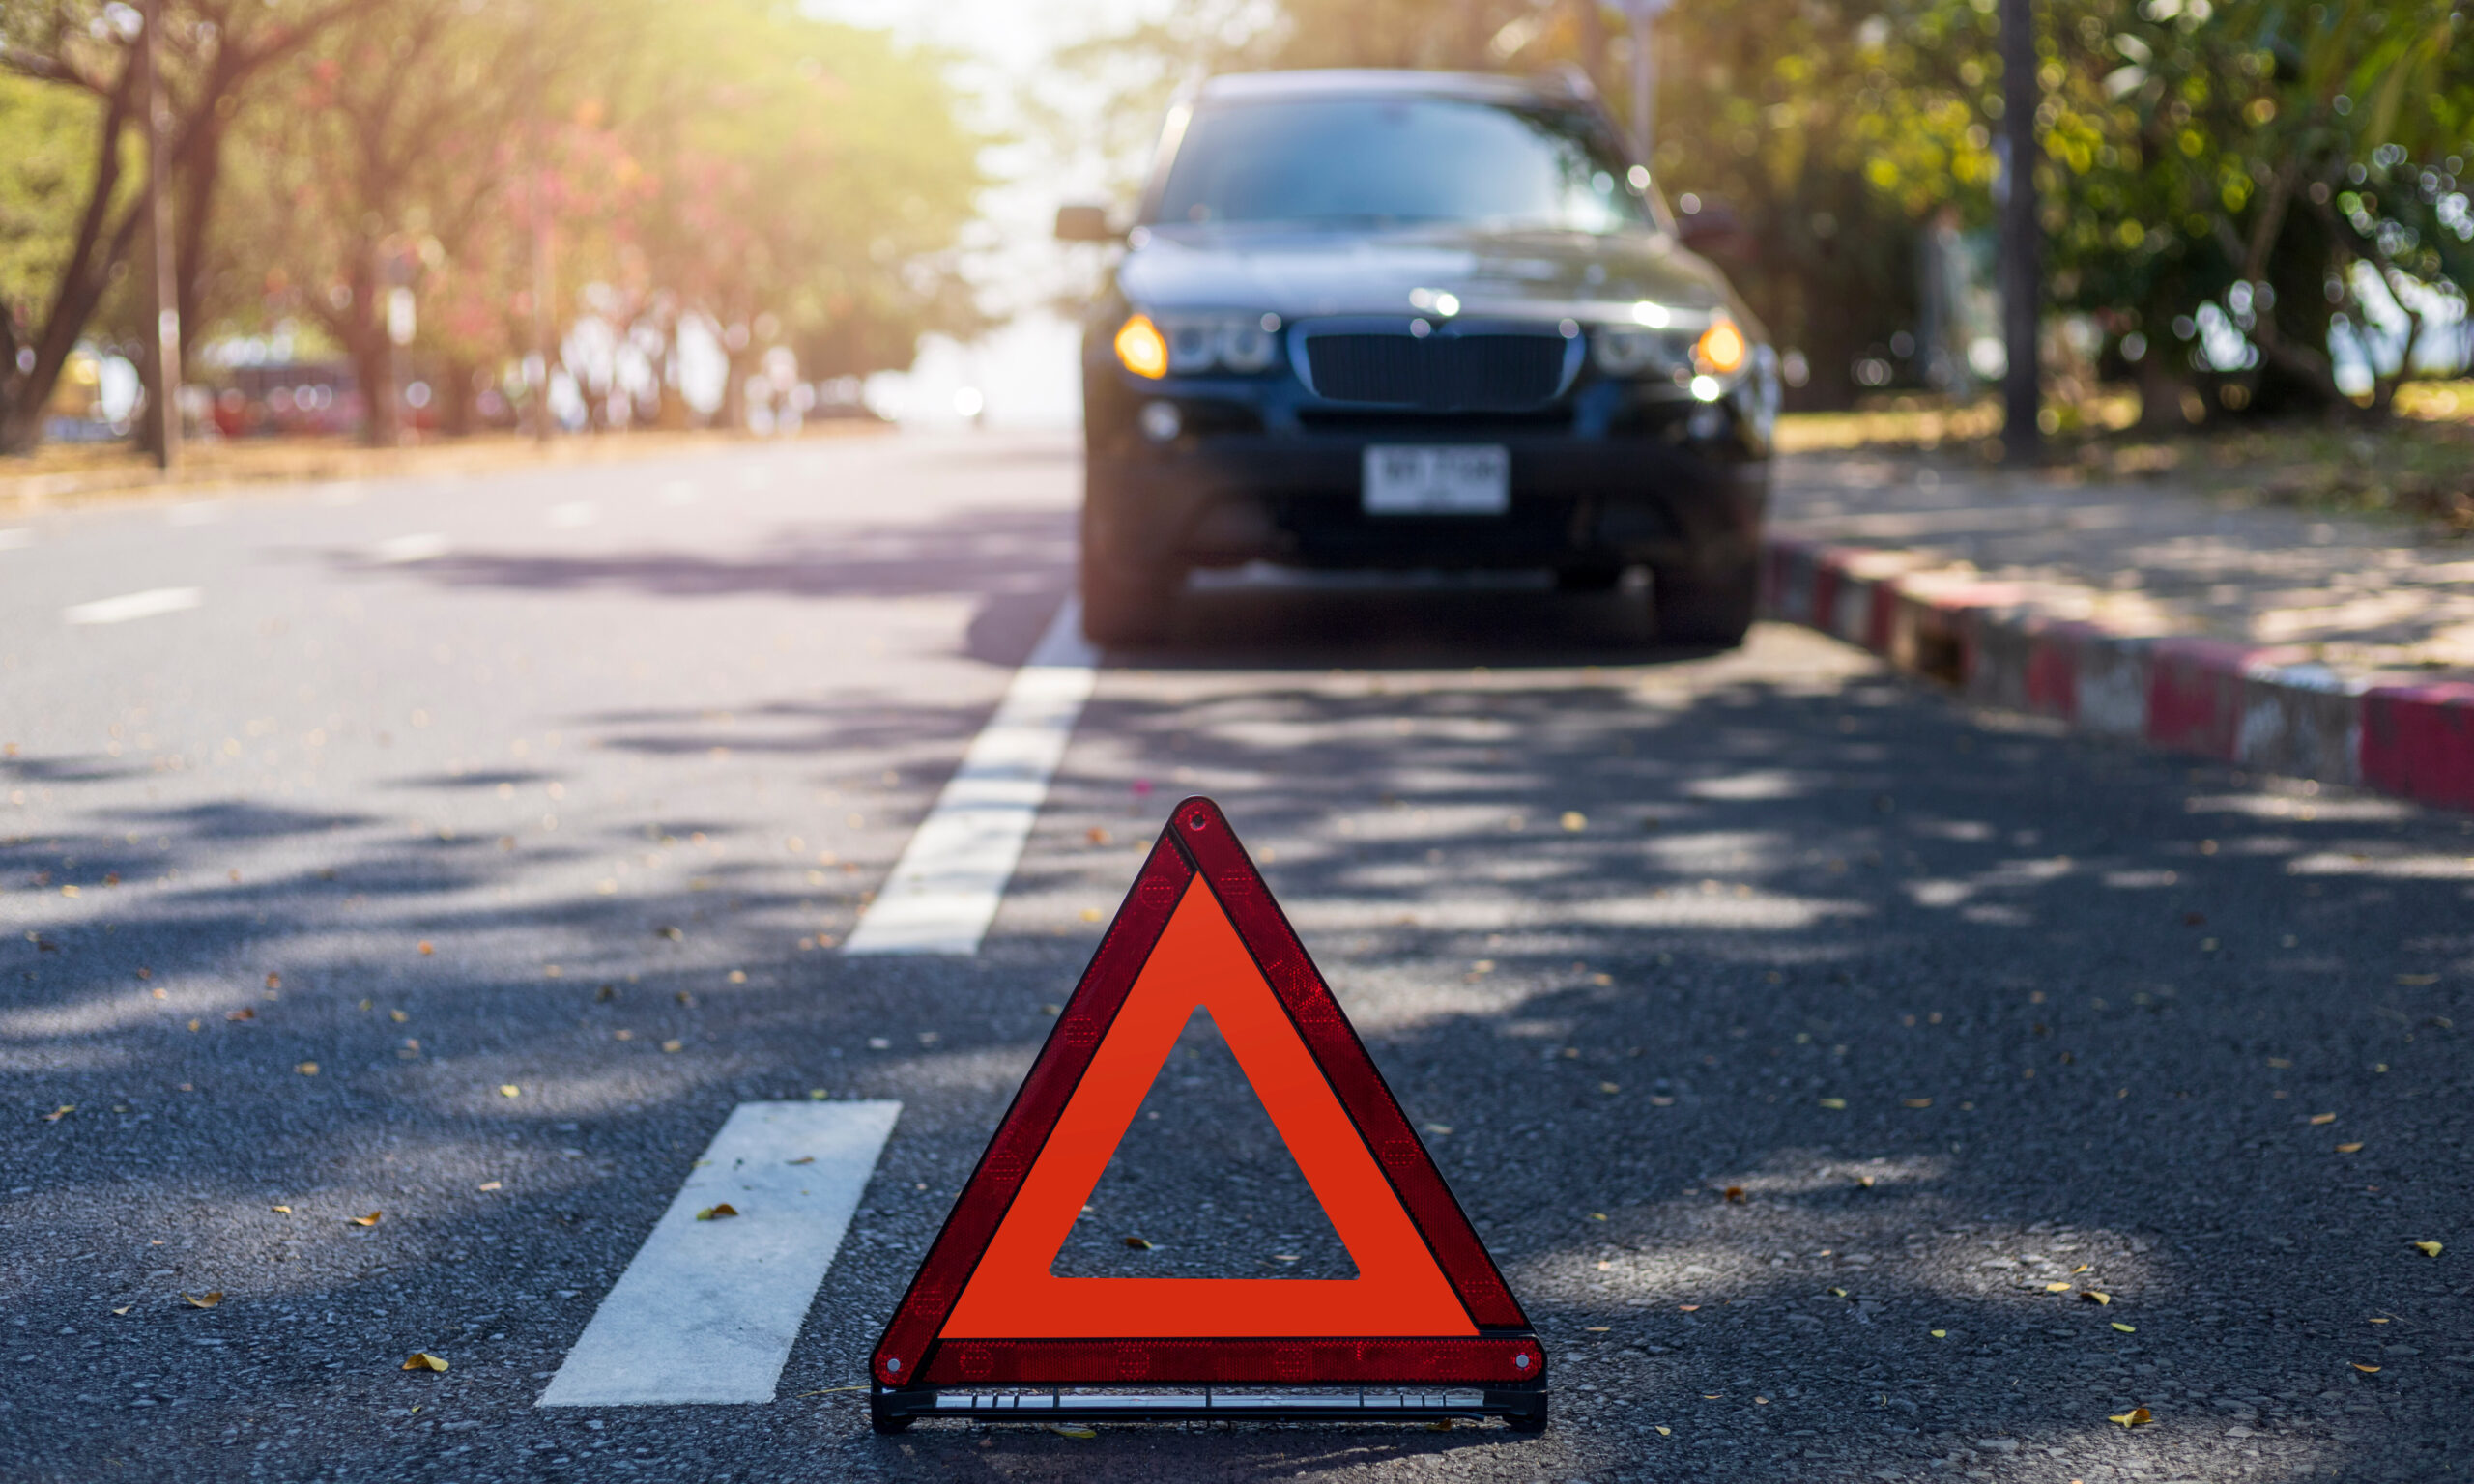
(1127, 599)
(1704, 606)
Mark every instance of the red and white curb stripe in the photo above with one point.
(2266, 708)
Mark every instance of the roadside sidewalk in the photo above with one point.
(66, 475)
(2316, 646)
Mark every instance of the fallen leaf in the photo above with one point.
(398, 1016)
(1137, 1243)
(1091, 915)
(1574, 820)
(123, 1308)
(1438, 1129)
(2413, 981)
(245, 1012)
(2095, 1296)
(370, 1219)
(2056, 1288)
(2367, 1370)
(1601, 1329)
(802, 1159)
(60, 1112)
(307, 1069)
(1865, 1180)
(717, 1212)
(281, 1210)
(2081, 1268)
(1083, 1433)
(1938, 1334)
(495, 1185)
(425, 948)
(1917, 1103)
(1664, 1433)
(2322, 1117)
(2354, 1148)
(1609, 1087)
(674, 1045)
(509, 1090)
(1733, 1193)
(274, 981)
(1597, 1216)
(1096, 835)
(1837, 1105)
(193, 1025)
(2133, 1418)
(2427, 1248)
(1687, 1308)
(2125, 1328)
(423, 1360)
(1838, 1293)
(205, 1301)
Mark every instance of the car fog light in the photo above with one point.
(1160, 421)
(1707, 387)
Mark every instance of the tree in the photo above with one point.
(213, 50)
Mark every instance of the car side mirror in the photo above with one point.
(1084, 223)
(1715, 231)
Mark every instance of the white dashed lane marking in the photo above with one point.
(398, 550)
(134, 605)
(709, 1310)
(946, 889)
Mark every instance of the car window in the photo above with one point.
(1399, 161)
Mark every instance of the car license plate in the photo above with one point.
(1438, 479)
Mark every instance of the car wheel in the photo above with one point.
(1587, 579)
(1127, 599)
(1702, 606)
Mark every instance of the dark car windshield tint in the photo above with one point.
(1399, 161)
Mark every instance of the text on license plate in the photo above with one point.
(1437, 479)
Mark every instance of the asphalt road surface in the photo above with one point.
(1805, 1046)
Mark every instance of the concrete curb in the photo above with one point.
(2266, 708)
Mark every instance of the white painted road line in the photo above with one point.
(709, 1310)
(572, 514)
(946, 889)
(399, 551)
(134, 605)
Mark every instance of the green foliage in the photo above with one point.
(46, 170)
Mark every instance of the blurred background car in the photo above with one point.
(1416, 320)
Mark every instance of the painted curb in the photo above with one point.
(2265, 708)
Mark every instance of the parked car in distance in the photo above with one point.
(1415, 320)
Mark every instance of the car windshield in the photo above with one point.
(1384, 161)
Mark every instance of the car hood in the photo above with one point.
(1526, 274)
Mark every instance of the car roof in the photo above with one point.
(1360, 82)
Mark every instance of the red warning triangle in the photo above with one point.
(1200, 930)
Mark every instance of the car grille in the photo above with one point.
(1438, 373)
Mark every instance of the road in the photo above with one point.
(1802, 1043)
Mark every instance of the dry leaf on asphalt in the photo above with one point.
(1837, 1105)
(281, 1210)
(1938, 1333)
(370, 1219)
(123, 1308)
(205, 1301)
(494, 1184)
(2349, 1149)
(307, 1069)
(2133, 1418)
(2427, 1248)
(2323, 1117)
(2095, 1296)
(274, 981)
(802, 1159)
(2367, 1370)
(1665, 1433)
(1733, 1193)
(1083, 1433)
(2125, 1328)
(425, 948)
(60, 1112)
(1139, 1244)
(2056, 1288)
(423, 1360)
(1917, 1103)
(245, 1012)
(509, 1090)
(717, 1212)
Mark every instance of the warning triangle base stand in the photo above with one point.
(988, 1331)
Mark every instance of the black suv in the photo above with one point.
(1376, 319)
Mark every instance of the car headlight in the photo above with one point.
(1190, 344)
(1140, 348)
(1621, 349)
(1722, 348)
